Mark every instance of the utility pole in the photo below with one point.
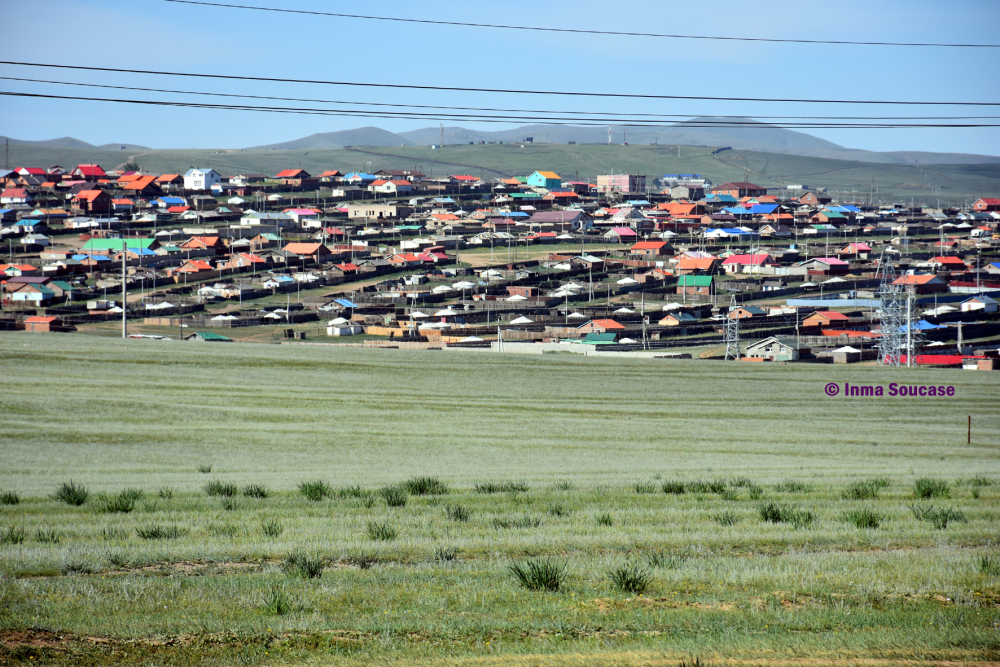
(124, 292)
(909, 329)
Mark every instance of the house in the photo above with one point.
(826, 318)
(122, 205)
(690, 192)
(566, 220)
(691, 284)
(621, 235)
(266, 218)
(89, 172)
(212, 243)
(545, 179)
(36, 294)
(775, 230)
(981, 302)
(746, 263)
(777, 348)
(827, 217)
(923, 283)
(746, 312)
(986, 204)
(245, 260)
(949, 263)
(621, 183)
(19, 270)
(861, 250)
(396, 187)
(697, 265)
(462, 179)
(293, 177)
(678, 318)
(15, 196)
(193, 269)
(400, 174)
(170, 182)
(45, 324)
(312, 252)
(600, 326)
(993, 268)
(304, 217)
(651, 249)
(369, 210)
(813, 199)
(201, 179)
(739, 189)
(825, 266)
(144, 186)
(89, 202)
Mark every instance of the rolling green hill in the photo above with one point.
(949, 183)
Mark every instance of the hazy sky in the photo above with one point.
(157, 35)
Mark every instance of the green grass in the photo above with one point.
(425, 486)
(539, 575)
(394, 496)
(631, 578)
(72, 494)
(256, 491)
(219, 488)
(729, 592)
(861, 490)
(864, 517)
(316, 490)
(502, 487)
(307, 565)
(939, 517)
(930, 488)
(381, 531)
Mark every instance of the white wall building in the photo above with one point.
(201, 179)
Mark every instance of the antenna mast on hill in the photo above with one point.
(732, 331)
(442, 135)
(609, 135)
(893, 320)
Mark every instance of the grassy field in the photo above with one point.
(954, 183)
(730, 512)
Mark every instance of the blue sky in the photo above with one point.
(152, 34)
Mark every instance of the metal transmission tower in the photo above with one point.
(732, 332)
(893, 318)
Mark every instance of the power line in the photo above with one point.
(361, 114)
(582, 31)
(706, 119)
(233, 77)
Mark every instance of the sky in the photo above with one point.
(159, 35)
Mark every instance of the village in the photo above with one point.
(614, 265)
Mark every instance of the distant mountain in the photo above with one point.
(695, 132)
(70, 142)
(699, 131)
(363, 136)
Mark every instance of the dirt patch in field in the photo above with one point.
(607, 604)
